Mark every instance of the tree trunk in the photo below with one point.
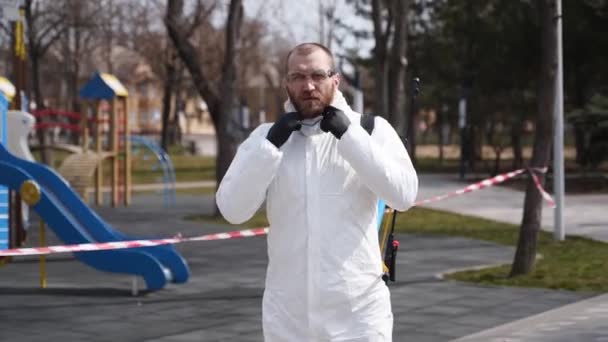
(410, 134)
(178, 105)
(440, 130)
(227, 141)
(167, 94)
(516, 132)
(221, 108)
(175, 133)
(43, 138)
(73, 81)
(34, 55)
(380, 97)
(497, 153)
(34, 62)
(475, 144)
(524, 260)
(380, 60)
(397, 66)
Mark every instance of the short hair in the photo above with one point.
(306, 49)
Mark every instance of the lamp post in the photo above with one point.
(558, 143)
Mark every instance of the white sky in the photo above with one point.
(299, 20)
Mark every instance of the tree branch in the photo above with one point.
(189, 56)
(200, 15)
(42, 49)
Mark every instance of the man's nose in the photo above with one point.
(309, 85)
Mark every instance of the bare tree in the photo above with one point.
(77, 45)
(109, 28)
(327, 21)
(396, 66)
(221, 107)
(45, 25)
(525, 255)
(383, 22)
(153, 46)
(390, 19)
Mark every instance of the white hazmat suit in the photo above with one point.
(323, 281)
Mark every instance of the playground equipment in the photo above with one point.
(164, 162)
(106, 87)
(74, 222)
(19, 126)
(8, 91)
(78, 168)
(58, 122)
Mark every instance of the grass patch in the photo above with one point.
(187, 168)
(145, 168)
(187, 191)
(258, 220)
(196, 191)
(577, 264)
(429, 221)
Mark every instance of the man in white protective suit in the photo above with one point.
(321, 174)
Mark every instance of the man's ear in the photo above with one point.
(285, 92)
(337, 80)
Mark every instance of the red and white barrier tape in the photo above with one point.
(493, 181)
(542, 191)
(87, 247)
(474, 187)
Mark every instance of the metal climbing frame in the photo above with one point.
(165, 163)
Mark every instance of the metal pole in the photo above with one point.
(558, 144)
(42, 257)
(462, 124)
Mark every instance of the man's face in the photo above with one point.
(310, 82)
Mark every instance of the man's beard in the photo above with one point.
(314, 108)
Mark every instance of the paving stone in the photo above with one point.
(222, 303)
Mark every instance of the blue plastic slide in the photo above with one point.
(74, 222)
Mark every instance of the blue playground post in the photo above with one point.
(4, 197)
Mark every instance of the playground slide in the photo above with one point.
(74, 222)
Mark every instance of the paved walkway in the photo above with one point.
(583, 215)
(222, 300)
(581, 321)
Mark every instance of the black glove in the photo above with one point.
(334, 121)
(281, 130)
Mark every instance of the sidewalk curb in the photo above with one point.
(544, 322)
(442, 275)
